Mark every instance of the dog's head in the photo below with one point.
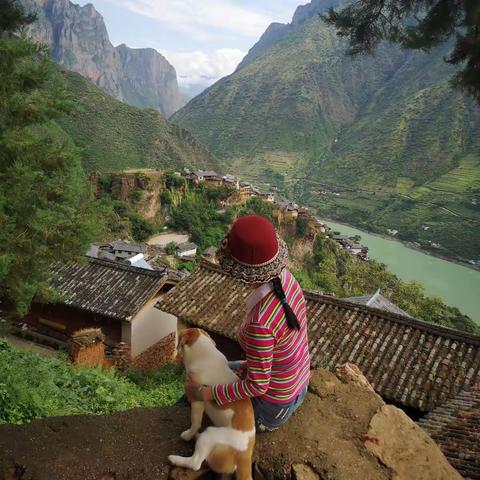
(188, 338)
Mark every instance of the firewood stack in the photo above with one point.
(122, 358)
(158, 355)
(86, 347)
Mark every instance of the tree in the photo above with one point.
(171, 248)
(46, 202)
(301, 226)
(418, 25)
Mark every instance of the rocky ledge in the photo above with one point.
(343, 431)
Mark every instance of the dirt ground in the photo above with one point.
(164, 239)
(24, 344)
(325, 439)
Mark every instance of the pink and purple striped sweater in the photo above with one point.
(278, 361)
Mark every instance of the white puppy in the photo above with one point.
(228, 446)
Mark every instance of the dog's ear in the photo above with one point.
(188, 337)
(203, 332)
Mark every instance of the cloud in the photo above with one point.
(202, 69)
(203, 18)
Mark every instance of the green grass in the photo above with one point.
(117, 136)
(33, 387)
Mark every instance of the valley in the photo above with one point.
(395, 146)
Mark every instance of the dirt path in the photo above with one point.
(165, 238)
(31, 346)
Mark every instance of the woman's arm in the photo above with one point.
(259, 342)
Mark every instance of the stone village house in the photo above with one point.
(117, 298)
(416, 365)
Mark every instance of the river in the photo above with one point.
(456, 285)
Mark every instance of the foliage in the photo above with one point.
(136, 194)
(45, 199)
(117, 136)
(173, 181)
(34, 387)
(256, 206)
(13, 17)
(201, 218)
(171, 248)
(419, 25)
(301, 226)
(141, 229)
(166, 197)
(334, 271)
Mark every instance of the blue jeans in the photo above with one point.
(269, 416)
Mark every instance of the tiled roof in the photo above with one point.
(185, 247)
(128, 247)
(455, 426)
(106, 288)
(414, 363)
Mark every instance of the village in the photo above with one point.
(124, 307)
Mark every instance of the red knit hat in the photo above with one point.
(252, 251)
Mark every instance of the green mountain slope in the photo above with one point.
(324, 127)
(116, 136)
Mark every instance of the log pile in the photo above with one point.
(157, 356)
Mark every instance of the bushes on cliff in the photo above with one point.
(34, 387)
(334, 271)
(202, 219)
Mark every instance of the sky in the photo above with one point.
(203, 39)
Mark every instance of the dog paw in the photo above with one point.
(175, 460)
(188, 435)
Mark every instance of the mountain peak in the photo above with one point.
(79, 39)
(277, 31)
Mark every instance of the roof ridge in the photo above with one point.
(394, 317)
(129, 268)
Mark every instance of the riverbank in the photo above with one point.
(455, 284)
(405, 243)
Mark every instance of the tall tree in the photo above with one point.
(45, 198)
(419, 25)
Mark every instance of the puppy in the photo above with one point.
(228, 445)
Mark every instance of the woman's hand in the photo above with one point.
(242, 370)
(196, 392)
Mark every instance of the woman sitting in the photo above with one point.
(274, 332)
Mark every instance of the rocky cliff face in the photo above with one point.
(79, 40)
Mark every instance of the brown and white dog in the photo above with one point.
(228, 445)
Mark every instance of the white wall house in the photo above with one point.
(187, 250)
(147, 327)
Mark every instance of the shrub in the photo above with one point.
(34, 387)
(171, 248)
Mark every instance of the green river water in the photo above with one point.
(456, 285)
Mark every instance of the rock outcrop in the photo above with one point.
(342, 431)
(79, 41)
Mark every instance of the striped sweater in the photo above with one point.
(278, 362)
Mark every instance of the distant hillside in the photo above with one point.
(116, 136)
(300, 114)
(79, 41)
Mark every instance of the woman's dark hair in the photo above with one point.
(280, 294)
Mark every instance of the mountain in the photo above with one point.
(380, 141)
(116, 136)
(79, 41)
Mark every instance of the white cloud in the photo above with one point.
(203, 68)
(202, 17)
